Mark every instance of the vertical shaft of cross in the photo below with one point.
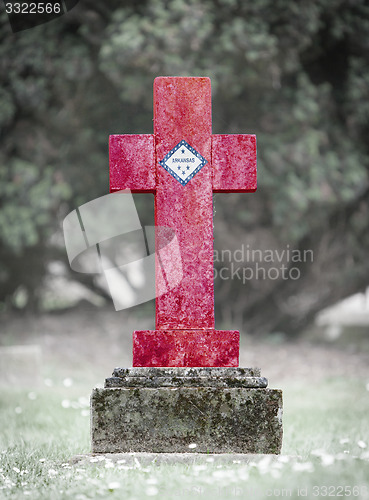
(182, 111)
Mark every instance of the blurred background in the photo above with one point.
(296, 74)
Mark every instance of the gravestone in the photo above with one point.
(185, 387)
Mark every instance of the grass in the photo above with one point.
(325, 451)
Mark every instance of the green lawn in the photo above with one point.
(325, 451)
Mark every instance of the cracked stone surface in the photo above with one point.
(186, 377)
(253, 382)
(186, 372)
(167, 419)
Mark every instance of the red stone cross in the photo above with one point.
(185, 334)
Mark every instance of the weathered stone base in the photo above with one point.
(223, 413)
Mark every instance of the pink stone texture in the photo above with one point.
(206, 347)
(182, 110)
(185, 334)
(132, 163)
(234, 163)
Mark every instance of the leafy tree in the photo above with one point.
(296, 74)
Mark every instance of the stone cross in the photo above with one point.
(183, 164)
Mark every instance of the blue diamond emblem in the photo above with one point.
(183, 162)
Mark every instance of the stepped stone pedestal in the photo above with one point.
(166, 410)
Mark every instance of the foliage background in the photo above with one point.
(294, 73)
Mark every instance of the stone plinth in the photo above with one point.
(165, 410)
(206, 347)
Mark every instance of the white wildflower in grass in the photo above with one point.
(84, 402)
(361, 444)
(42, 460)
(32, 396)
(151, 491)
(67, 382)
(65, 403)
(52, 472)
(264, 464)
(109, 465)
(199, 467)
(303, 467)
(243, 474)
(114, 485)
(344, 440)
(8, 483)
(15, 469)
(18, 410)
(94, 459)
(122, 461)
(192, 446)
(327, 460)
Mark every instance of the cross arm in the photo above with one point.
(234, 163)
(132, 163)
